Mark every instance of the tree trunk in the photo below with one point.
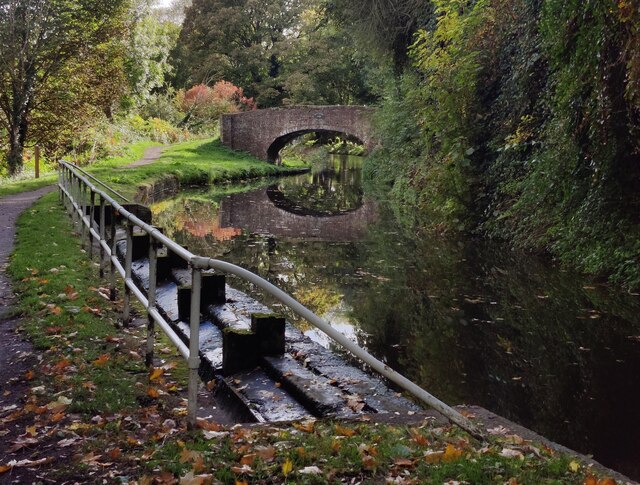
(16, 150)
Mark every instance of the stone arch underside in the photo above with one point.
(264, 132)
(273, 152)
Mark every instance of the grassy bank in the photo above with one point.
(128, 154)
(92, 395)
(198, 162)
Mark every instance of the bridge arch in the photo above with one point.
(264, 132)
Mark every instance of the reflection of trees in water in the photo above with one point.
(332, 188)
(507, 332)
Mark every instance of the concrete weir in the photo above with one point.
(267, 366)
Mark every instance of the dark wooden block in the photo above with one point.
(269, 331)
(239, 351)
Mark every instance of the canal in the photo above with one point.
(470, 321)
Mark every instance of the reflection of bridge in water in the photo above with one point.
(255, 212)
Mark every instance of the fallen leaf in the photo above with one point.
(606, 481)
(240, 470)
(29, 375)
(267, 453)
(287, 467)
(369, 462)
(156, 373)
(114, 454)
(432, 457)
(511, 453)
(153, 393)
(102, 360)
(418, 438)
(67, 442)
(192, 479)
(208, 425)
(344, 431)
(310, 470)
(306, 426)
(404, 462)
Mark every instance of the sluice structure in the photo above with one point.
(265, 364)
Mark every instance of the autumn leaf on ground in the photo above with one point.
(432, 457)
(310, 470)
(306, 426)
(267, 453)
(418, 438)
(403, 462)
(102, 360)
(156, 373)
(153, 393)
(208, 425)
(29, 375)
(192, 479)
(287, 467)
(369, 462)
(248, 459)
(344, 431)
(70, 292)
(61, 366)
(56, 310)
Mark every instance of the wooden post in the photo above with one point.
(37, 156)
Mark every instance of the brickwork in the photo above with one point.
(264, 132)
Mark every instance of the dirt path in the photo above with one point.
(16, 356)
(150, 155)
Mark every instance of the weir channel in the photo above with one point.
(269, 368)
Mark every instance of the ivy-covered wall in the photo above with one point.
(520, 119)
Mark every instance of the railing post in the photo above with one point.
(74, 199)
(102, 232)
(92, 201)
(112, 266)
(128, 260)
(151, 297)
(83, 194)
(194, 346)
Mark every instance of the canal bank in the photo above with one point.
(465, 319)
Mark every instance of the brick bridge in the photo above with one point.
(264, 132)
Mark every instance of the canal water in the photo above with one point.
(470, 321)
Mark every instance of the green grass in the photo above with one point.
(193, 163)
(64, 311)
(26, 182)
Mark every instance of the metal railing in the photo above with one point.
(79, 195)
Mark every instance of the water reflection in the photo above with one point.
(330, 189)
(468, 321)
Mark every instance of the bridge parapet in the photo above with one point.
(264, 132)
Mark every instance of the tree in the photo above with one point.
(203, 105)
(49, 49)
(239, 41)
(386, 26)
(147, 63)
(322, 64)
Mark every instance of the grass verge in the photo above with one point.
(197, 162)
(91, 395)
